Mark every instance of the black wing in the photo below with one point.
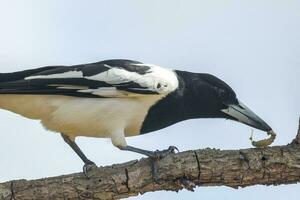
(110, 78)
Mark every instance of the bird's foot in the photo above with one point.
(157, 155)
(88, 166)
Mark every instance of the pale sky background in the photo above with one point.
(253, 45)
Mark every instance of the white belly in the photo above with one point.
(73, 116)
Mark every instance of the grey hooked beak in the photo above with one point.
(244, 115)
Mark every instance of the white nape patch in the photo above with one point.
(69, 74)
(163, 80)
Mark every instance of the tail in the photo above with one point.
(20, 75)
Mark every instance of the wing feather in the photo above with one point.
(112, 78)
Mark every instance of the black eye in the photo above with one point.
(222, 94)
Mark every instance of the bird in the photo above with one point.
(119, 98)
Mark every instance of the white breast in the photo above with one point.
(93, 117)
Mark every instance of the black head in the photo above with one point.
(211, 97)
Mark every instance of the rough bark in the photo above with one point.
(207, 167)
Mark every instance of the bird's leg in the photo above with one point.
(154, 155)
(88, 164)
(118, 140)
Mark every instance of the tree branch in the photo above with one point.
(208, 167)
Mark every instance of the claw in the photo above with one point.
(163, 153)
(88, 166)
(173, 149)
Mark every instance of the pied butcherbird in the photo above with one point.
(118, 99)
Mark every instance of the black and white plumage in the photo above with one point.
(118, 98)
(111, 78)
(105, 99)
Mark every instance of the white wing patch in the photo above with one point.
(158, 79)
(69, 74)
(71, 87)
(104, 92)
(115, 76)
